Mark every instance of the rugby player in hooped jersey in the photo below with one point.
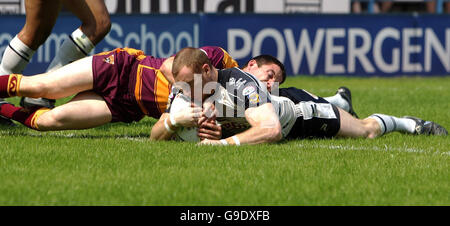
(122, 85)
(299, 116)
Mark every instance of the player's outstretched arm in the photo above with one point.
(265, 128)
(159, 130)
(168, 123)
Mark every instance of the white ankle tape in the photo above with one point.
(82, 41)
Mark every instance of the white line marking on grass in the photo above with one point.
(134, 139)
(58, 134)
(373, 148)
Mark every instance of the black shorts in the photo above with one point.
(314, 126)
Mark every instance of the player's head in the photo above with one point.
(189, 62)
(267, 69)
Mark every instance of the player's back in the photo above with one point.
(152, 87)
(141, 76)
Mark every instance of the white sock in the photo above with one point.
(75, 47)
(16, 57)
(390, 123)
(338, 101)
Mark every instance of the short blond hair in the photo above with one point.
(192, 58)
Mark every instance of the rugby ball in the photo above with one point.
(179, 103)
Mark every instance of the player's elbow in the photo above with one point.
(273, 133)
(154, 137)
(277, 135)
(155, 133)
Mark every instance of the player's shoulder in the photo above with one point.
(211, 50)
(153, 62)
(215, 55)
(236, 77)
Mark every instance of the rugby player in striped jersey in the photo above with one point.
(122, 85)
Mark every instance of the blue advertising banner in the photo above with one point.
(160, 36)
(339, 45)
(363, 45)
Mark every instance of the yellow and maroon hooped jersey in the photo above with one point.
(132, 84)
(219, 58)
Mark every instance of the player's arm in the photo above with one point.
(265, 128)
(207, 126)
(209, 129)
(168, 123)
(160, 131)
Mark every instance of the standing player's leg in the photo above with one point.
(95, 26)
(40, 18)
(85, 110)
(94, 17)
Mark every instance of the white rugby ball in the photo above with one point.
(179, 103)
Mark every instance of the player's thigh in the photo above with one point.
(41, 16)
(351, 126)
(85, 110)
(93, 15)
(68, 80)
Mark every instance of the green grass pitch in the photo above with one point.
(116, 164)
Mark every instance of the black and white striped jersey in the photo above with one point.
(237, 91)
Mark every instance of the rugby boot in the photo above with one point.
(3, 120)
(27, 102)
(347, 95)
(427, 127)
